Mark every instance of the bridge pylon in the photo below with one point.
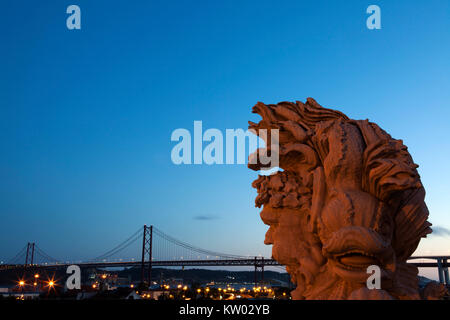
(259, 264)
(147, 243)
(29, 258)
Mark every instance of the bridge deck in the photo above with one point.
(221, 262)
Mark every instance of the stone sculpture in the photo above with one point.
(349, 196)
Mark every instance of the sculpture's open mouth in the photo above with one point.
(351, 250)
(353, 265)
(356, 260)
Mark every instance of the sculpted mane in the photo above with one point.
(349, 196)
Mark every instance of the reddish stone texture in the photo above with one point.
(349, 196)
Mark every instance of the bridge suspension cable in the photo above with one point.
(120, 247)
(193, 248)
(44, 255)
(19, 257)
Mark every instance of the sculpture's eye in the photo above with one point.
(384, 227)
(332, 193)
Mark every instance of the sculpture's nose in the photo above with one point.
(269, 236)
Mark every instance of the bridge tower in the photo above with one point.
(443, 270)
(30, 254)
(147, 242)
(259, 264)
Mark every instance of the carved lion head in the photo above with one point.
(349, 196)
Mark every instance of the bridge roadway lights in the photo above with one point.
(442, 263)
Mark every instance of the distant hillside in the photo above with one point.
(203, 275)
(198, 276)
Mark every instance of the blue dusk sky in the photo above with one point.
(86, 115)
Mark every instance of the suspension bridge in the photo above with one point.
(151, 247)
(156, 249)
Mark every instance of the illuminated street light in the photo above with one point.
(36, 275)
(21, 283)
